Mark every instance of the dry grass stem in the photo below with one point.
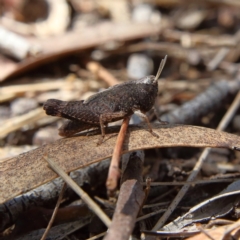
(54, 212)
(102, 73)
(18, 122)
(91, 204)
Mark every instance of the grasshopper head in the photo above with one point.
(146, 80)
(153, 79)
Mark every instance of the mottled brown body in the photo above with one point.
(110, 105)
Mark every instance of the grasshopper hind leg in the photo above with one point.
(71, 127)
(106, 118)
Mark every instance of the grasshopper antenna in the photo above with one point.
(160, 68)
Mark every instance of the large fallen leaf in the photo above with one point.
(75, 41)
(29, 170)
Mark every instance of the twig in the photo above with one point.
(226, 119)
(157, 199)
(91, 204)
(230, 113)
(130, 199)
(233, 3)
(203, 231)
(54, 212)
(15, 123)
(97, 236)
(147, 190)
(102, 73)
(113, 173)
(197, 39)
(148, 215)
(213, 64)
(218, 221)
(156, 204)
(137, 220)
(6, 97)
(227, 232)
(33, 87)
(191, 183)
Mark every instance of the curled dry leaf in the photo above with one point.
(218, 206)
(218, 233)
(57, 47)
(29, 170)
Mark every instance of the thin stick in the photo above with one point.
(191, 183)
(102, 73)
(137, 220)
(230, 113)
(17, 122)
(50, 223)
(203, 231)
(32, 87)
(97, 236)
(113, 173)
(131, 192)
(91, 204)
(224, 122)
(227, 232)
(217, 59)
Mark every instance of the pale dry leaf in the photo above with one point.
(217, 233)
(56, 47)
(29, 170)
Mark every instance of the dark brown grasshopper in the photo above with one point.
(110, 105)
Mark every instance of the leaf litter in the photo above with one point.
(202, 59)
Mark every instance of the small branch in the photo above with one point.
(130, 199)
(91, 204)
(113, 173)
(207, 181)
(17, 122)
(227, 233)
(218, 58)
(37, 87)
(230, 113)
(54, 212)
(102, 73)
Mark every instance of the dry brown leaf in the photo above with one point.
(29, 170)
(217, 233)
(56, 47)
